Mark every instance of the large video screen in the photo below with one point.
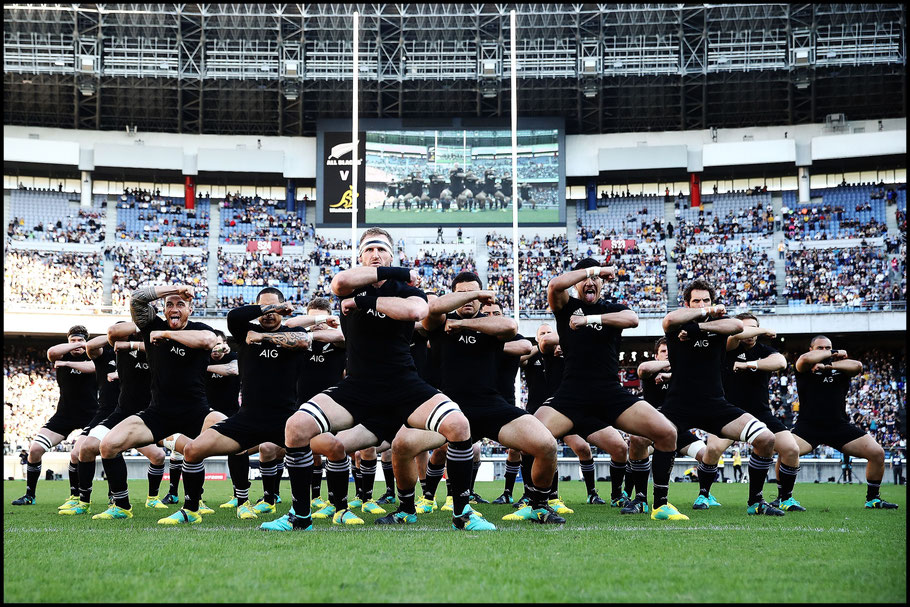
(445, 176)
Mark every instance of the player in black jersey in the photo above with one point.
(524, 196)
(747, 373)
(655, 382)
(382, 390)
(590, 399)
(436, 185)
(697, 344)
(76, 407)
(471, 189)
(470, 344)
(392, 195)
(823, 377)
(121, 390)
(178, 354)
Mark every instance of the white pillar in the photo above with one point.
(804, 184)
(86, 197)
(355, 127)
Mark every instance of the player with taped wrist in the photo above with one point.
(697, 342)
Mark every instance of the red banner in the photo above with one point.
(610, 245)
(264, 246)
(189, 192)
(695, 189)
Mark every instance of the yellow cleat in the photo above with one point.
(80, 508)
(182, 517)
(114, 512)
(668, 512)
(152, 501)
(346, 517)
(69, 503)
(425, 506)
(560, 508)
(371, 507)
(449, 506)
(245, 511)
(203, 509)
(231, 503)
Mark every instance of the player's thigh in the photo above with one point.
(644, 420)
(608, 439)
(54, 438)
(528, 434)
(327, 412)
(865, 447)
(154, 453)
(409, 442)
(734, 429)
(434, 413)
(211, 419)
(557, 423)
(803, 444)
(578, 445)
(131, 432)
(358, 438)
(210, 442)
(717, 445)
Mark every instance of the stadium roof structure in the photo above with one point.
(277, 69)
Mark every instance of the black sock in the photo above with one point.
(367, 478)
(434, 475)
(193, 479)
(336, 480)
(278, 477)
(269, 472)
(537, 498)
(155, 474)
(299, 462)
(512, 470)
(872, 489)
(587, 473)
(316, 482)
(706, 475)
(175, 471)
(389, 475)
(617, 476)
(474, 468)
(630, 481)
(554, 488)
(639, 470)
(73, 470)
(86, 476)
(407, 500)
(32, 474)
(785, 481)
(458, 463)
(661, 469)
(526, 463)
(358, 480)
(239, 469)
(758, 472)
(115, 471)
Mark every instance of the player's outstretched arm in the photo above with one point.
(439, 307)
(55, 353)
(120, 331)
(129, 345)
(535, 348)
(195, 339)
(297, 340)
(548, 343)
(85, 366)
(501, 327)
(748, 333)
(95, 346)
(239, 319)
(771, 363)
(224, 370)
(649, 369)
(412, 308)
(626, 319)
(347, 281)
(558, 288)
(304, 321)
(722, 326)
(141, 308)
(681, 316)
(329, 336)
(519, 347)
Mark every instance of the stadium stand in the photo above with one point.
(133, 267)
(54, 216)
(244, 219)
(164, 220)
(844, 276)
(49, 279)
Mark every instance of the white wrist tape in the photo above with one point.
(320, 319)
(594, 319)
(753, 365)
(592, 272)
(704, 312)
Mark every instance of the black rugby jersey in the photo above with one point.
(135, 380)
(555, 367)
(469, 360)
(823, 397)
(653, 392)
(456, 178)
(506, 368)
(591, 352)
(378, 346)
(222, 391)
(178, 372)
(747, 389)
(268, 373)
(536, 378)
(108, 391)
(697, 365)
(419, 352)
(321, 367)
(78, 390)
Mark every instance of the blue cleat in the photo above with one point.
(398, 517)
(880, 504)
(791, 505)
(469, 520)
(701, 503)
(712, 501)
(288, 522)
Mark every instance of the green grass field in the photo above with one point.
(464, 217)
(835, 552)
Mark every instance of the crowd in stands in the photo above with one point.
(850, 276)
(262, 269)
(696, 226)
(743, 277)
(330, 256)
(438, 271)
(134, 267)
(87, 229)
(165, 221)
(30, 395)
(246, 218)
(48, 278)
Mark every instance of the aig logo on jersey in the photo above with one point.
(467, 339)
(376, 313)
(700, 343)
(269, 354)
(317, 358)
(178, 351)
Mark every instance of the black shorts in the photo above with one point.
(164, 423)
(486, 414)
(710, 415)
(834, 435)
(383, 407)
(228, 410)
(593, 411)
(64, 422)
(533, 407)
(251, 427)
(773, 422)
(98, 418)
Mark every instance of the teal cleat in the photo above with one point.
(668, 512)
(288, 522)
(615, 502)
(521, 503)
(355, 503)
(114, 512)
(398, 517)
(231, 503)
(346, 517)
(25, 500)
(701, 503)
(387, 498)
(880, 504)
(469, 520)
(263, 507)
(524, 513)
(80, 508)
(170, 498)
(505, 498)
(791, 505)
(712, 501)
(182, 517)
(317, 503)
(763, 507)
(326, 512)
(636, 506)
(546, 516)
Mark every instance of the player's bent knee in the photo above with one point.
(313, 417)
